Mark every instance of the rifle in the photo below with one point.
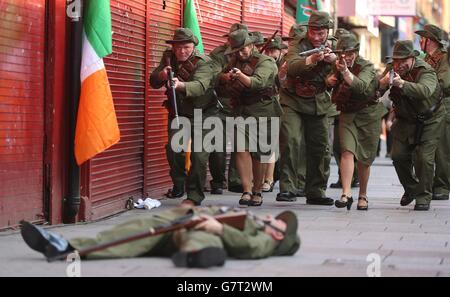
(234, 219)
(318, 50)
(268, 42)
(391, 74)
(172, 93)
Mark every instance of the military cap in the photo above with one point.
(183, 35)
(298, 30)
(320, 19)
(257, 37)
(276, 43)
(234, 27)
(347, 43)
(340, 31)
(291, 241)
(404, 49)
(434, 33)
(238, 40)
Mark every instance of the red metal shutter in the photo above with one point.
(22, 56)
(288, 20)
(164, 18)
(118, 173)
(215, 18)
(262, 15)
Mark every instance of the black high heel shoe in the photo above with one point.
(341, 203)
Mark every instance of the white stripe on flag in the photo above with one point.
(90, 61)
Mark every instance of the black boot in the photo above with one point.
(40, 240)
(336, 185)
(207, 257)
(175, 192)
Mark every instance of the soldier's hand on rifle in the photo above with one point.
(398, 81)
(329, 57)
(179, 85)
(315, 58)
(331, 80)
(341, 65)
(164, 74)
(235, 73)
(384, 82)
(210, 225)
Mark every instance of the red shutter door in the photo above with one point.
(164, 18)
(262, 15)
(215, 18)
(118, 173)
(22, 48)
(288, 20)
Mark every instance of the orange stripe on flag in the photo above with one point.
(97, 128)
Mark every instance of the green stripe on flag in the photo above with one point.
(304, 9)
(97, 25)
(191, 22)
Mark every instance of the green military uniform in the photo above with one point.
(336, 144)
(251, 242)
(259, 101)
(439, 60)
(418, 99)
(306, 103)
(197, 75)
(218, 163)
(361, 111)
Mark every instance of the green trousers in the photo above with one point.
(218, 163)
(196, 179)
(414, 163)
(442, 173)
(164, 245)
(176, 160)
(313, 131)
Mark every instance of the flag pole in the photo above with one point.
(72, 201)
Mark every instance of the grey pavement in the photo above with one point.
(335, 242)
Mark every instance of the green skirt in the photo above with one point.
(360, 132)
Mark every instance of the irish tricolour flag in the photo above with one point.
(97, 128)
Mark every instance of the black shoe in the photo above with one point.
(422, 207)
(355, 183)
(175, 193)
(320, 201)
(257, 200)
(207, 257)
(286, 197)
(345, 201)
(364, 205)
(300, 193)
(41, 240)
(235, 188)
(406, 200)
(216, 188)
(243, 201)
(216, 191)
(336, 185)
(440, 197)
